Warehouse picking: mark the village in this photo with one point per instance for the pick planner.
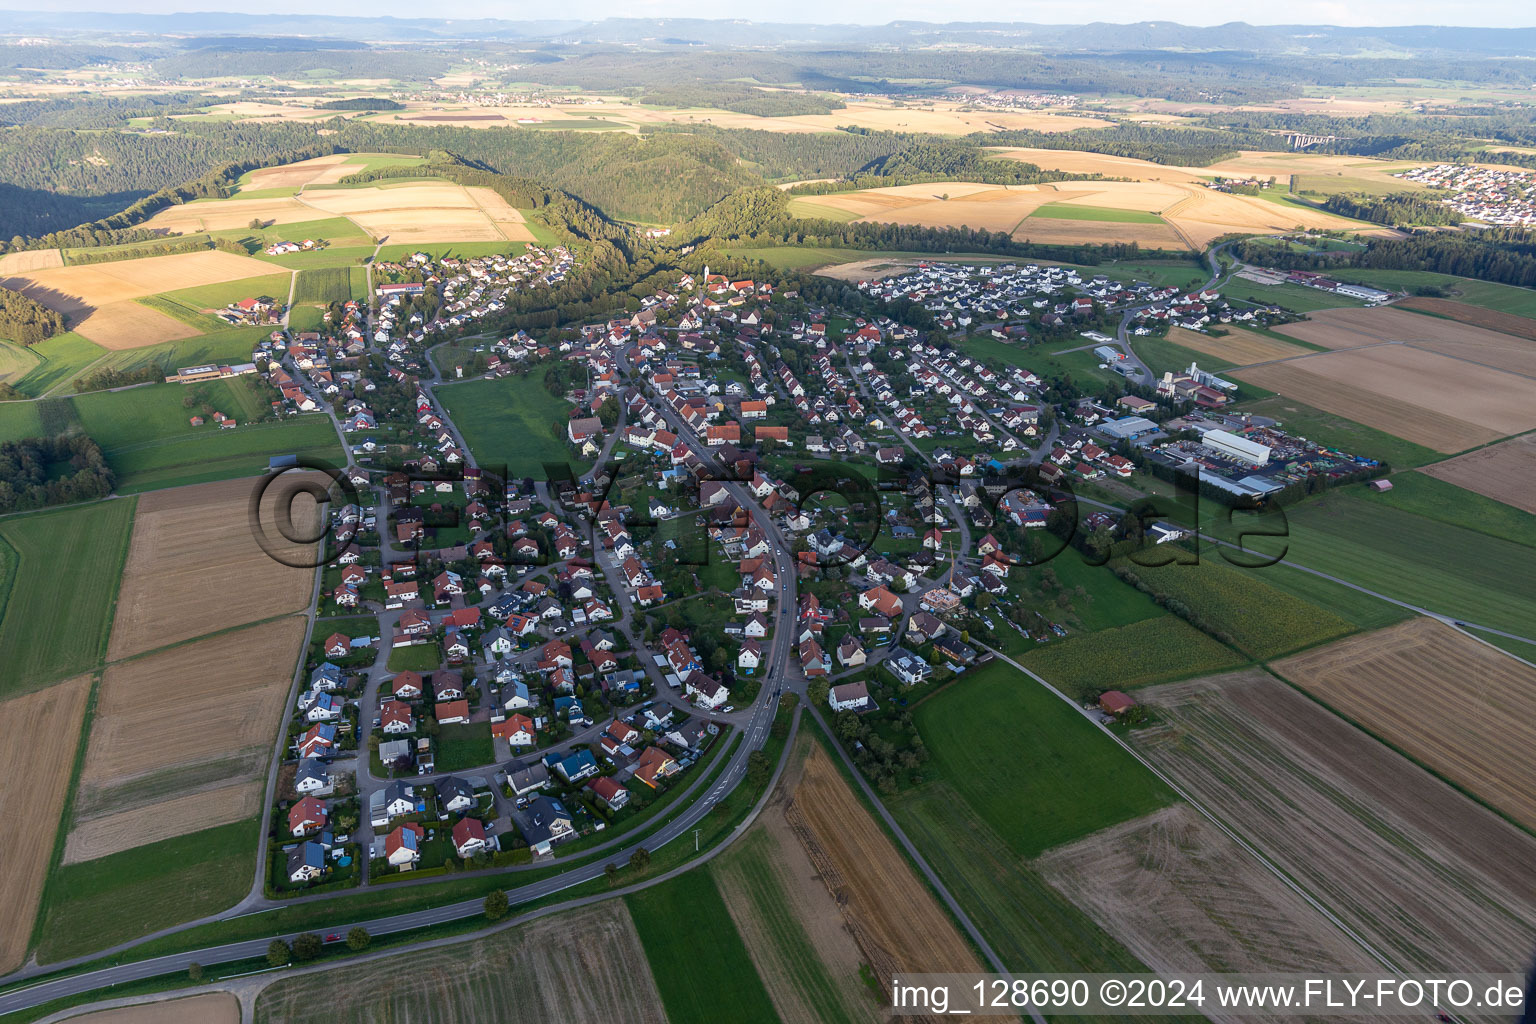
(1499, 196)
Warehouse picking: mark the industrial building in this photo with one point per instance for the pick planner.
(1236, 447)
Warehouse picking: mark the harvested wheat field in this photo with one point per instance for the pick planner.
(322, 170)
(227, 215)
(1443, 403)
(1236, 346)
(208, 1008)
(1076, 232)
(1477, 316)
(1504, 472)
(507, 218)
(1465, 709)
(1352, 328)
(29, 260)
(418, 212)
(96, 837)
(37, 747)
(581, 967)
(195, 565)
(1183, 897)
(793, 929)
(126, 325)
(234, 687)
(1424, 875)
(78, 291)
(896, 922)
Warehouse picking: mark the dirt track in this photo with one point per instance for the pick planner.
(37, 747)
(1423, 873)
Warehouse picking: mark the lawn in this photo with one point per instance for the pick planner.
(678, 921)
(1156, 650)
(63, 357)
(1029, 764)
(233, 345)
(1160, 354)
(61, 570)
(1237, 604)
(463, 250)
(1432, 564)
(1071, 211)
(416, 658)
(114, 899)
(1105, 602)
(19, 420)
(512, 421)
(1330, 429)
(340, 256)
(464, 746)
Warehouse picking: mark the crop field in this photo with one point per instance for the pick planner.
(61, 358)
(321, 170)
(228, 215)
(1435, 693)
(1236, 347)
(28, 260)
(1352, 328)
(1421, 872)
(37, 746)
(1150, 651)
(208, 298)
(49, 631)
(584, 966)
(234, 698)
(1294, 297)
(678, 919)
(1430, 399)
(1477, 316)
(1031, 766)
(1429, 563)
(324, 284)
(792, 927)
(208, 1008)
(1184, 897)
(196, 458)
(417, 212)
(510, 421)
(184, 553)
(95, 297)
(103, 834)
(1504, 472)
(896, 922)
(1260, 621)
(100, 903)
(1070, 211)
(1425, 495)
(508, 219)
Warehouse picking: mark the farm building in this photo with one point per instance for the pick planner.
(1380, 485)
(1115, 703)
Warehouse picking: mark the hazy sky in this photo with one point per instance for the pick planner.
(1497, 13)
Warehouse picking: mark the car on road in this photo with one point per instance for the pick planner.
(728, 709)
(333, 937)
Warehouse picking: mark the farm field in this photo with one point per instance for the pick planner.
(1501, 298)
(204, 300)
(675, 921)
(182, 557)
(585, 966)
(1031, 766)
(50, 631)
(235, 698)
(1340, 432)
(1261, 621)
(61, 358)
(204, 458)
(230, 215)
(100, 903)
(208, 1008)
(1477, 316)
(1154, 650)
(1361, 610)
(422, 212)
(1387, 681)
(1418, 870)
(896, 922)
(28, 260)
(1426, 495)
(1071, 211)
(791, 925)
(1426, 562)
(96, 298)
(107, 833)
(1430, 399)
(510, 421)
(1351, 328)
(1236, 347)
(1184, 897)
(1504, 472)
(1294, 297)
(37, 746)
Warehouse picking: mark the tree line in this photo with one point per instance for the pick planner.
(39, 471)
(1502, 255)
(26, 321)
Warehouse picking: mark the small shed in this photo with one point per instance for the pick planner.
(1380, 485)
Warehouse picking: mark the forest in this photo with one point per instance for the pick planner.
(1504, 255)
(40, 471)
(27, 322)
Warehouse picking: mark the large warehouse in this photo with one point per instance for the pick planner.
(1235, 446)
